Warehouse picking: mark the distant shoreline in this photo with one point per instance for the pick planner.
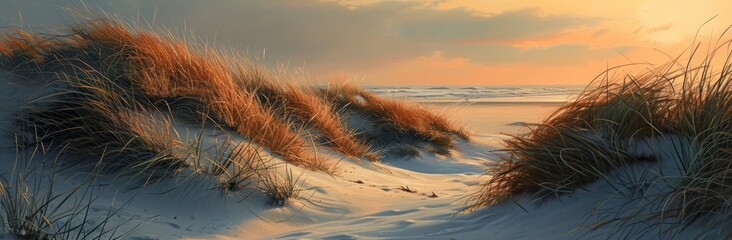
(497, 103)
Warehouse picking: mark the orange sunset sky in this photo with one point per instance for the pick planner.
(447, 42)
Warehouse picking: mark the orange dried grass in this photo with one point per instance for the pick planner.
(166, 68)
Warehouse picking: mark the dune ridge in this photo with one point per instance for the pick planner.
(114, 69)
(112, 100)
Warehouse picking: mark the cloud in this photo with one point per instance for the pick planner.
(329, 36)
(660, 28)
(554, 55)
(600, 32)
(460, 24)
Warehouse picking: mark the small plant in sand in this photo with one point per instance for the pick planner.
(31, 207)
(280, 189)
(238, 168)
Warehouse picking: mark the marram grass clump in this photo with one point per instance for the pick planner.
(393, 123)
(597, 134)
(111, 92)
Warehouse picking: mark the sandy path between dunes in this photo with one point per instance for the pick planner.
(366, 201)
(359, 200)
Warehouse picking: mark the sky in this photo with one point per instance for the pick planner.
(431, 42)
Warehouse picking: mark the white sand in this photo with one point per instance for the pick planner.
(492, 119)
(341, 207)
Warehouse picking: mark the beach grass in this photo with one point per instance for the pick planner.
(395, 122)
(33, 207)
(590, 138)
(116, 98)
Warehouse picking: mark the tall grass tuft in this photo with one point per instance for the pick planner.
(169, 69)
(32, 207)
(402, 119)
(599, 133)
(115, 90)
(303, 106)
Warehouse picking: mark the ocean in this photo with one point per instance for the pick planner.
(487, 110)
(479, 94)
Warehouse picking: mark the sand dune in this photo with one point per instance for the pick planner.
(120, 133)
